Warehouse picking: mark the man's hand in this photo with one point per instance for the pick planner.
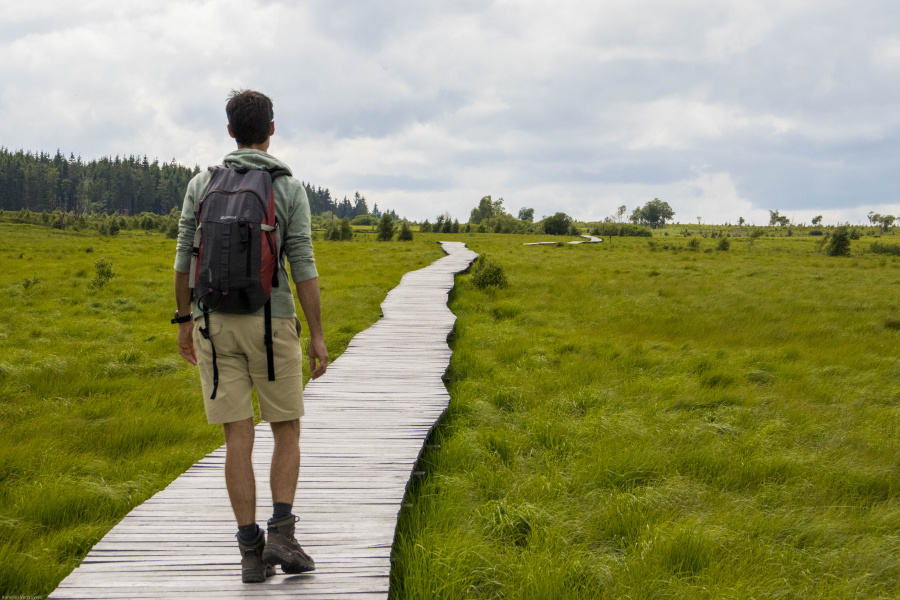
(317, 351)
(186, 342)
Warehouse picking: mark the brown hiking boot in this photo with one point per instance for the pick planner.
(282, 549)
(253, 569)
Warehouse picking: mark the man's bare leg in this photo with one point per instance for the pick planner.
(239, 477)
(281, 546)
(285, 461)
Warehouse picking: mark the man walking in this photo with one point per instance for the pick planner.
(231, 349)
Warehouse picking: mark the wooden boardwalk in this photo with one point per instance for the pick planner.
(365, 423)
(590, 240)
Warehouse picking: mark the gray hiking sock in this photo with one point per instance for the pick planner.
(281, 511)
(247, 534)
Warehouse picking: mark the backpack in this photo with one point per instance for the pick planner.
(237, 250)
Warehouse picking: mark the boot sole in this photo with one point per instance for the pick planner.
(253, 577)
(277, 555)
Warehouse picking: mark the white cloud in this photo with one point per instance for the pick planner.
(723, 109)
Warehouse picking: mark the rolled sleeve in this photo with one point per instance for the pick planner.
(298, 247)
(187, 225)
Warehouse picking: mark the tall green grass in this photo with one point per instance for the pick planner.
(97, 410)
(633, 422)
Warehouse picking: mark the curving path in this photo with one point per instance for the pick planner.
(365, 423)
(590, 240)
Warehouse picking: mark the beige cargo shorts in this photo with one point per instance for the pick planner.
(241, 359)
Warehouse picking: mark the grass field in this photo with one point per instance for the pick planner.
(628, 420)
(639, 420)
(97, 410)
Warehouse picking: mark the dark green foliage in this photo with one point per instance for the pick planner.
(425, 227)
(364, 220)
(526, 214)
(816, 232)
(558, 224)
(172, 229)
(346, 230)
(43, 182)
(839, 245)
(104, 273)
(653, 214)
(879, 248)
(573, 230)
(455, 227)
(694, 244)
(854, 234)
(724, 244)
(386, 228)
(486, 273)
(485, 210)
(333, 233)
(622, 229)
(132, 185)
(111, 227)
(777, 219)
(31, 281)
(406, 234)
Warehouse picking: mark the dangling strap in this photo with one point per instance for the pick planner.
(270, 354)
(205, 332)
(195, 255)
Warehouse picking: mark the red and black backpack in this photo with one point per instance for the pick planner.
(237, 250)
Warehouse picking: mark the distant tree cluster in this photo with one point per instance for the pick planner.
(777, 219)
(883, 221)
(653, 214)
(321, 202)
(128, 186)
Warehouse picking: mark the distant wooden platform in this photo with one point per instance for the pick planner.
(590, 240)
(365, 423)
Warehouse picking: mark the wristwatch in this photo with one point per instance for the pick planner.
(183, 319)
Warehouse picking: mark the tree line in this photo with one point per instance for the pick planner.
(40, 182)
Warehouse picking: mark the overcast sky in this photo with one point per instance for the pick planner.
(722, 109)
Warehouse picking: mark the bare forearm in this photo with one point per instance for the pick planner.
(308, 293)
(185, 330)
(182, 293)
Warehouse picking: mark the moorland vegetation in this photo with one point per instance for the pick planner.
(665, 418)
(708, 412)
(98, 412)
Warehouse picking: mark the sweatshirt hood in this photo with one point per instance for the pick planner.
(247, 158)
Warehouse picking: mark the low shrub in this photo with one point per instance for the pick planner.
(104, 273)
(405, 234)
(879, 248)
(486, 273)
(346, 230)
(839, 245)
(622, 229)
(724, 244)
(386, 228)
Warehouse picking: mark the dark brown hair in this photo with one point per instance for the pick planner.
(249, 114)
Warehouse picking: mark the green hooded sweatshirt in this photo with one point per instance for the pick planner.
(291, 213)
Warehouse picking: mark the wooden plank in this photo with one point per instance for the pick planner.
(365, 423)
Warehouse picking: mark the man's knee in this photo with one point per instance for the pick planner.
(239, 433)
(286, 431)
